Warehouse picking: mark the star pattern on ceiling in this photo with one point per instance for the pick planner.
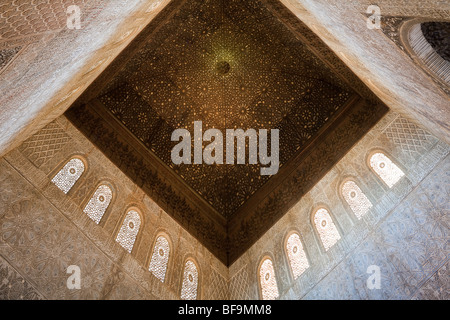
(229, 64)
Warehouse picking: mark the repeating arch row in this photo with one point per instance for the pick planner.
(324, 225)
(132, 222)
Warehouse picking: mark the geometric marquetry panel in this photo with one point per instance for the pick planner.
(229, 65)
(271, 81)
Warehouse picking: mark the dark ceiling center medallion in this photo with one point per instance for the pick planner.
(223, 67)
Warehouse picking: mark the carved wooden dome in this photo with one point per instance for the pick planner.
(230, 64)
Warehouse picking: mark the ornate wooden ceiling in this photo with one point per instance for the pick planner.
(231, 64)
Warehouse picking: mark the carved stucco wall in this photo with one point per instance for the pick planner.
(405, 233)
(414, 211)
(43, 231)
(55, 64)
(376, 60)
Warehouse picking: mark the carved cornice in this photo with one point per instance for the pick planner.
(260, 213)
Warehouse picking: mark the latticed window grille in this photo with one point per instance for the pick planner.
(356, 199)
(269, 288)
(326, 228)
(386, 169)
(66, 178)
(296, 255)
(97, 205)
(129, 230)
(160, 258)
(190, 281)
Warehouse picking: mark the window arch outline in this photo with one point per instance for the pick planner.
(186, 258)
(86, 201)
(122, 220)
(404, 33)
(316, 232)
(347, 205)
(308, 260)
(61, 166)
(394, 160)
(169, 266)
(262, 259)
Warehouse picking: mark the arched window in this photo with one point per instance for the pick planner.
(429, 41)
(328, 232)
(190, 281)
(129, 230)
(69, 174)
(386, 169)
(97, 205)
(296, 255)
(267, 280)
(160, 258)
(356, 199)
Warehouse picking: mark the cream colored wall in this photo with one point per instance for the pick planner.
(405, 233)
(385, 69)
(54, 67)
(43, 231)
